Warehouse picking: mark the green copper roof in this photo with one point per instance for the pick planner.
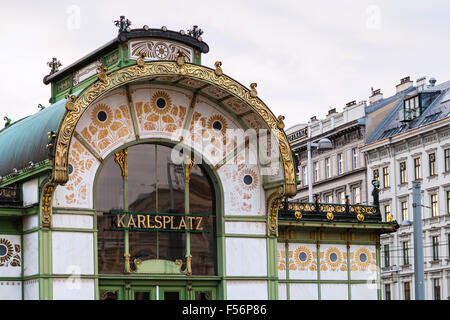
(25, 140)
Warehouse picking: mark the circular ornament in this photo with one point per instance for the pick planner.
(6, 250)
(161, 102)
(362, 257)
(333, 257)
(161, 50)
(102, 115)
(302, 256)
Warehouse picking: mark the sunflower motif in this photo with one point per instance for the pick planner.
(217, 125)
(333, 257)
(160, 102)
(362, 258)
(102, 115)
(302, 256)
(249, 179)
(6, 250)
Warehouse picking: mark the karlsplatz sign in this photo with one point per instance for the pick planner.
(144, 221)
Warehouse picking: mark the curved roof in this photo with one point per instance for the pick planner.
(25, 140)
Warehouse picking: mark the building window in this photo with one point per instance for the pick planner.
(432, 164)
(437, 289)
(354, 158)
(387, 211)
(329, 198)
(327, 167)
(404, 206)
(434, 205)
(403, 172)
(386, 256)
(387, 291)
(407, 291)
(417, 173)
(340, 163)
(448, 202)
(386, 177)
(305, 175)
(435, 241)
(356, 195)
(405, 246)
(447, 159)
(341, 197)
(376, 174)
(315, 172)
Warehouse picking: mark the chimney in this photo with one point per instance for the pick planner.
(351, 103)
(420, 83)
(331, 111)
(313, 118)
(376, 96)
(404, 84)
(432, 82)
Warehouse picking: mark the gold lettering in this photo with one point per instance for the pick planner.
(199, 219)
(129, 221)
(191, 226)
(158, 221)
(171, 222)
(119, 222)
(165, 221)
(141, 220)
(182, 223)
(148, 222)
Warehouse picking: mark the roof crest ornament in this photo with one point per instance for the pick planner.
(195, 32)
(123, 24)
(54, 64)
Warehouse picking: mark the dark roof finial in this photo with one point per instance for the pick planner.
(195, 32)
(54, 64)
(123, 24)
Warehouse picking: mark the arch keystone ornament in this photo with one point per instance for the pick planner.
(152, 69)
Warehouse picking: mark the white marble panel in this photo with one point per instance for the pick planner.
(157, 122)
(73, 221)
(73, 252)
(10, 290)
(334, 291)
(364, 291)
(238, 227)
(363, 262)
(303, 291)
(30, 192)
(242, 186)
(78, 191)
(10, 256)
(73, 289)
(31, 289)
(30, 254)
(29, 222)
(107, 123)
(333, 262)
(246, 257)
(302, 261)
(246, 290)
(281, 260)
(282, 294)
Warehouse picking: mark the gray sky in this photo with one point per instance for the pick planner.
(305, 56)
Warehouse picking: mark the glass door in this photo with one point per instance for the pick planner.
(143, 293)
(172, 293)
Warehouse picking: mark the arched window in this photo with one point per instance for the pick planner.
(155, 186)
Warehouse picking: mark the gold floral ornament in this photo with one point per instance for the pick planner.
(360, 217)
(180, 58)
(217, 124)
(302, 257)
(102, 115)
(362, 258)
(280, 123)
(121, 158)
(6, 250)
(333, 257)
(160, 102)
(248, 179)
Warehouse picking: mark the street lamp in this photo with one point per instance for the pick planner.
(323, 144)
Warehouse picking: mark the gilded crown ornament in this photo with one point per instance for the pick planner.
(253, 92)
(140, 61)
(180, 58)
(218, 71)
(70, 106)
(102, 74)
(280, 123)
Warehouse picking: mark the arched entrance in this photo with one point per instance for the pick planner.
(156, 229)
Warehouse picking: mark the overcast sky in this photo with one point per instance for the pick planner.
(305, 56)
